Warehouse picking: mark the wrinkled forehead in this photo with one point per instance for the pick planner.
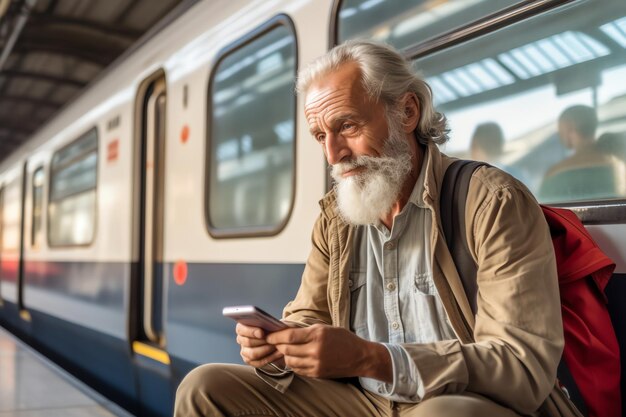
(347, 77)
(341, 88)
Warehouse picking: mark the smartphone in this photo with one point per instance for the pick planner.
(254, 316)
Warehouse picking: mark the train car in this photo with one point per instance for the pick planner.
(185, 180)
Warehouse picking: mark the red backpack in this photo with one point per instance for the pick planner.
(589, 368)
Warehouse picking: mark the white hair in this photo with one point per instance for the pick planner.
(386, 76)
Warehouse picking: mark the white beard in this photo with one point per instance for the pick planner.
(366, 197)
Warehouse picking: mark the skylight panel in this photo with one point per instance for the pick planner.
(538, 57)
(471, 79)
(552, 53)
(616, 30)
(495, 69)
(468, 81)
(486, 80)
(514, 65)
(458, 85)
(528, 64)
(573, 47)
(441, 92)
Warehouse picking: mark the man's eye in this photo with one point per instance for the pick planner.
(347, 126)
(320, 137)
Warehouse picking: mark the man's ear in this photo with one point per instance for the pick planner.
(411, 111)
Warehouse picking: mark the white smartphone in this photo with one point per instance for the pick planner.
(254, 316)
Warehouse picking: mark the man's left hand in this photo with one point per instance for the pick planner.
(322, 351)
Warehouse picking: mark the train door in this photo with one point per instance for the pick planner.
(1, 234)
(22, 239)
(147, 332)
(11, 247)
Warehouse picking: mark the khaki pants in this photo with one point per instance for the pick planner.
(235, 390)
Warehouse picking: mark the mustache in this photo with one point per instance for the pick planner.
(364, 161)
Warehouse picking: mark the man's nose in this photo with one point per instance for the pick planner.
(336, 148)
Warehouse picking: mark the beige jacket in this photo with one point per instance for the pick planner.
(510, 350)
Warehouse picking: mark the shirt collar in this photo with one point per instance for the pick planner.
(417, 195)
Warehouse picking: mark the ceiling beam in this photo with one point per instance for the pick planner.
(93, 47)
(30, 100)
(51, 6)
(8, 137)
(44, 19)
(122, 14)
(11, 131)
(67, 50)
(43, 77)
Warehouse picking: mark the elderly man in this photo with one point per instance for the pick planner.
(380, 299)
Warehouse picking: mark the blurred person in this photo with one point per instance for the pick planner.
(487, 144)
(577, 129)
(588, 172)
(613, 143)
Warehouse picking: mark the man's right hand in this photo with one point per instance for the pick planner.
(255, 351)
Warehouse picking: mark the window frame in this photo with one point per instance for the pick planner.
(36, 244)
(95, 189)
(590, 211)
(489, 23)
(2, 191)
(245, 40)
(2, 188)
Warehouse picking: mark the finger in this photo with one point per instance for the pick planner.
(249, 331)
(248, 342)
(289, 336)
(300, 351)
(302, 366)
(257, 353)
(276, 356)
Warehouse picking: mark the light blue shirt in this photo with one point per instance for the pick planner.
(393, 296)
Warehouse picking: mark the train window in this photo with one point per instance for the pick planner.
(545, 99)
(408, 22)
(37, 192)
(11, 215)
(72, 201)
(250, 163)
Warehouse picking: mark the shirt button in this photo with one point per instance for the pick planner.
(391, 286)
(403, 379)
(395, 325)
(390, 245)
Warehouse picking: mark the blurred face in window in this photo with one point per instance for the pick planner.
(370, 154)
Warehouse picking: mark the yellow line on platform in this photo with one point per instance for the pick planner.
(25, 315)
(151, 352)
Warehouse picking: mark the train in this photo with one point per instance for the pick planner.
(185, 179)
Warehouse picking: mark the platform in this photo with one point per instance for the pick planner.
(32, 386)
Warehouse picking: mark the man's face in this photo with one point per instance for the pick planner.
(343, 119)
(370, 155)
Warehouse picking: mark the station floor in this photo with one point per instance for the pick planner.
(32, 386)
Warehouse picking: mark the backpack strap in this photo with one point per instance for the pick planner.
(453, 196)
(454, 190)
